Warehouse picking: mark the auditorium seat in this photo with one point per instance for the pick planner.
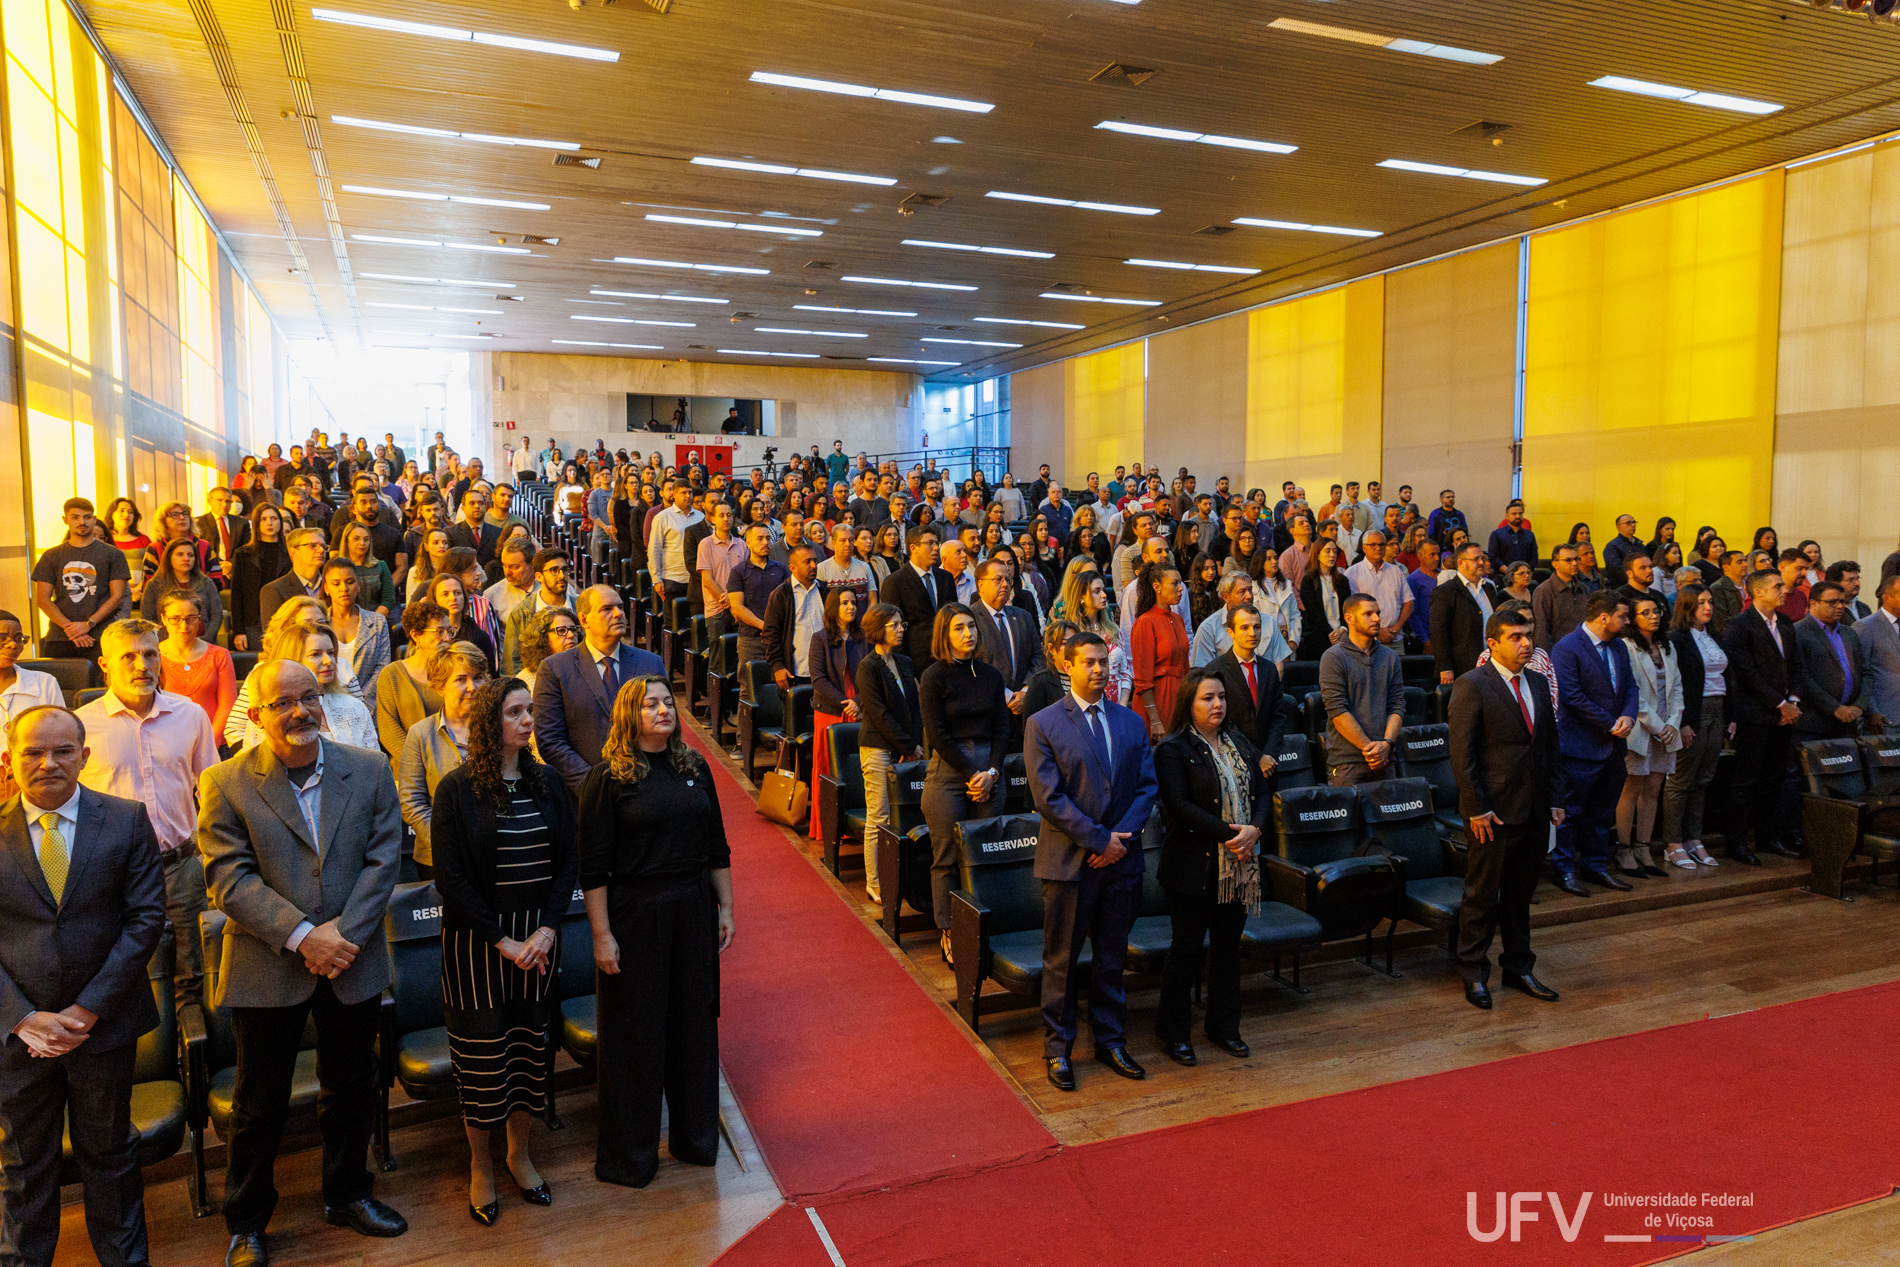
(996, 913)
(722, 687)
(242, 662)
(1880, 836)
(1152, 933)
(698, 655)
(1016, 798)
(1418, 670)
(73, 676)
(1300, 676)
(841, 793)
(761, 715)
(639, 601)
(158, 1092)
(903, 860)
(412, 1027)
(1836, 802)
(1399, 820)
(88, 695)
(1418, 706)
(1317, 866)
(580, 1028)
(1293, 764)
(1424, 752)
(1280, 931)
(799, 723)
(674, 634)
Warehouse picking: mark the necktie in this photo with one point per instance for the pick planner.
(1517, 688)
(610, 674)
(1009, 641)
(53, 857)
(1609, 664)
(1253, 686)
(1096, 736)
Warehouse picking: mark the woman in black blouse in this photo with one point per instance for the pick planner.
(835, 652)
(1323, 595)
(656, 875)
(503, 829)
(965, 705)
(256, 564)
(889, 727)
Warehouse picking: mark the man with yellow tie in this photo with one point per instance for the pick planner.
(82, 900)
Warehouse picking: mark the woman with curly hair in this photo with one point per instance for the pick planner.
(656, 875)
(505, 865)
(549, 630)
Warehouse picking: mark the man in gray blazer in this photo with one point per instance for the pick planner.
(1006, 638)
(301, 841)
(1834, 668)
(82, 902)
(574, 691)
(1880, 641)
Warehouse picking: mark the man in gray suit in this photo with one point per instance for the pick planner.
(1006, 637)
(82, 900)
(301, 841)
(1880, 640)
(1834, 668)
(575, 690)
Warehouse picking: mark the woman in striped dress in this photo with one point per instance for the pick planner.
(505, 866)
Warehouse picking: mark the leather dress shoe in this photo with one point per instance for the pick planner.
(1531, 986)
(1571, 885)
(1118, 1059)
(368, 1216)
(1779, 849)
(485, 1214)
(1181, 1053)
(1745, 856)
(1605, 879)
(538, 1195)
(1478, 994)
(1061, 1073)
(247, 1250)
(1233, 1047)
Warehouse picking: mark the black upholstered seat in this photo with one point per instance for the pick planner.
(1293, 764)
(1399, 819)
(1424, 752)
(575, 976)
(158, 1091)
(840, 793)
(1318, 865)
(413, 926)
(998, 902)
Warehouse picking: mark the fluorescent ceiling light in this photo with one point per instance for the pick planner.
(1018, 321)
(892, 281)
(823, 334)
(704, 268)
(974, 343)
(1444, 52)
(456, 198)
(1437, 169)
(1297, 227)
(863, 312)
(778, 169)
(441, 335)
(595, 343)
(912, 360)
(807, 356)
(630, 321)
(1098, 299)
(448, 135)
(986, 250)
(436, 281)
(678, 299)
(883, 94)
(1741, 105)
(1070, 202)
(605, 303)
(456, 33)
(484, 312)
(733, 224)
(1192, 268)
(1205, 138)
(452, 246)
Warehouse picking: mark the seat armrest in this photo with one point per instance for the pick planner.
(195, 1041)
(969, 947)
(1289, 883)
(1457, 856)
(1378, 848)
(828, 790)
(386, 1039)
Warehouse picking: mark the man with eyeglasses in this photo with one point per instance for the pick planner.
(551, 589)
(302, 842)
(305, 578)
(79, 585)
(1836, 689)
(574, 692)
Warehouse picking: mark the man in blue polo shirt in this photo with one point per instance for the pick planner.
(749, 587)
(1418, 629)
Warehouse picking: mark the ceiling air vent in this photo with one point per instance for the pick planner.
(925, 200)
(575, 160)
(528, 239)
(1123, 75)
(1069, 288)
(1482, 130)
(949, 327)
(819, 264)
(1216, 230)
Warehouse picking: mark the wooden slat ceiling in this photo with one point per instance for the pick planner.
(681, 89)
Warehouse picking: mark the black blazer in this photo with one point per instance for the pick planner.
(92, 946)
(831, 667)
(1264, 725)
(1315, 632)
(904, 590)
(888, 717)
(1501, 767)
(1190, 799)
(781, 626)
(1044, 688)
(275, 595)
(254, 567)
(1823, 689)
(1458, 626)
(990, 648)
(1760, 676)
(240, 527)
(462, 829)
(1689, 663)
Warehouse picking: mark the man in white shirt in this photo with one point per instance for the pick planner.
(806, 594)
(666, 541)
(517, 578)
(846, 569)
(1108, 518)
(1385, 582)
(523, 462)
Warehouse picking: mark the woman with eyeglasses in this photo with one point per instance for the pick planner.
(437, 744)
(176, 524)
(547, 632)
(178, 570)
(199, 670)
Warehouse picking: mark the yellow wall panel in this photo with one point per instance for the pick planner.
(1315, 389)
(1650, 363)
(1197, 400)
(1106, 409)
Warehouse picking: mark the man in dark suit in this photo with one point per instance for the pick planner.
(305, 578)
(1838, 688)
(1253, 686)
(1005, 637)
(1598, 690)
(918, 591)
(1092, 775)
(302, 841)
(1460, 608)
(1504, 755)
(473, 528)
(574, 691)
(82, 900)
(794, 612)
(1765, 686)
(224, 530)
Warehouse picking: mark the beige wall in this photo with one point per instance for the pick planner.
(1039, 420)
(1197, 399)
(1450, 379)
(1837, 408)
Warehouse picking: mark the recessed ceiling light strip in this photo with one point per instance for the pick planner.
(445, 134)
(1071, 202)
(1205, 138)
(456, 33)
(882, 94)
(779, 169)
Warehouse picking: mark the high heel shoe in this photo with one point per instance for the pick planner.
(1626, 863)
(540, 1194)
(943, 948)
(1646, 862)
(485, 1214)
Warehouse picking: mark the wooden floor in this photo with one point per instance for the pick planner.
(1860, 1236)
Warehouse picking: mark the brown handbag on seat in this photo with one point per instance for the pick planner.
(782, 797)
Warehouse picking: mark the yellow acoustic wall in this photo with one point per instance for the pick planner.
(1837, 424)
(1106, 404)
(1197, 400)
(1315, 389)
(1650, 364)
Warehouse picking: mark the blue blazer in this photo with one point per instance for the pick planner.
(1080, 801)
(1591, 704)
(572, 712)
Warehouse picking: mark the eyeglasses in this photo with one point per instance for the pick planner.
(12, 640)
(310, 703)
(564, 631)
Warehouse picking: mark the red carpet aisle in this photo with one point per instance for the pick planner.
(848, 1074)
(1781, 1104)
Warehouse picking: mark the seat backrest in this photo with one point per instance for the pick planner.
(758, 689)
(88, 695)
(575, 966)
(798, 711)
(1880, 759)
(1418, 670)
(907, 803)
(73, 676)
(679, 614)
(1015, 785)
(242, 662)
(1832, 768)
(1424, 752)
(1293, 764)
(996, 864)
(157, 1058)
(1154, 898)
(413, 923)
(699, 635)
(1398, 815)
(1300, 675)
(1417, 704)
(642, 584)
(1293, 711)
(1316, 723)
(841, 743)
(1312, 825)
(728, 649)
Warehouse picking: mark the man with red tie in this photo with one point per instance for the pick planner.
(223, 529)
(1504, 754)
(1253, 686)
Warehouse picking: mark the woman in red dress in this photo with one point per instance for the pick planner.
(1158, 645)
